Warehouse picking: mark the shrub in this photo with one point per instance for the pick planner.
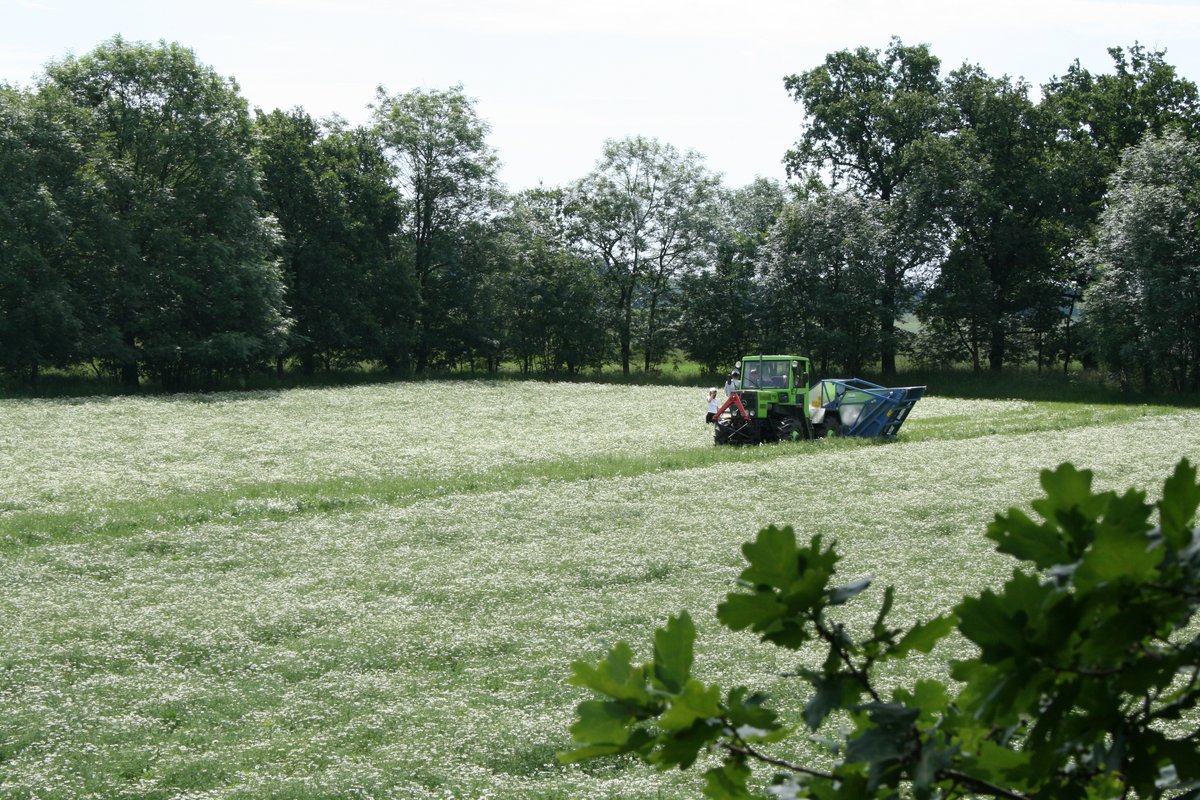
(1083, 681)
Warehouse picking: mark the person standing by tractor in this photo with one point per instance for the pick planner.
(713, 405)
(732, 382)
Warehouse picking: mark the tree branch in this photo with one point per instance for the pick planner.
(859, 674)
(746, 750)
(980, 785)
(971, 782)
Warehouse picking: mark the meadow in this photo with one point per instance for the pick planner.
(378, 591)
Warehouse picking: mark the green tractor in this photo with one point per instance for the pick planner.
(770, 403)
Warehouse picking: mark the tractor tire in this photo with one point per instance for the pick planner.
(721, 432)
(748, 433)
(735, 430)
(833, 426)
(792, 429)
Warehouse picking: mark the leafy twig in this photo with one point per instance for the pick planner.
(746, 750)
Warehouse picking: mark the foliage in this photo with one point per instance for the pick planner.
(821, 267)
(868, 115)
(644, 216)
(1099, 116)
(447, 181)
(180, 269)
(551, 297)
(39, 310)
(149, 228)
(723, 311)
(330, 189)
(1084, 682)
(1001, 274)
(1144, 306)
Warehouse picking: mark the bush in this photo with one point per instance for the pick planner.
(1083, 683)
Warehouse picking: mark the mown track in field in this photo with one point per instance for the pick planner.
(276, 500)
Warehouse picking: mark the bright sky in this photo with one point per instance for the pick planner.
(555, 78)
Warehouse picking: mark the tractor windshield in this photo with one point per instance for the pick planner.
(765, 375)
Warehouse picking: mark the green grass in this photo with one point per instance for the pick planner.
(276, 595)
(279, 500)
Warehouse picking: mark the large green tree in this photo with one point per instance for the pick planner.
(550, 295)
(1001, 272)
(446, 174)
(723, 310)
(646, 215)
(867, 113)
(1100, 115)
(39, 308)
(182, 275)
(822, 268)
(1143, 308)
(330, 187)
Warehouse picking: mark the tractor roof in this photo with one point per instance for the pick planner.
(774, 358)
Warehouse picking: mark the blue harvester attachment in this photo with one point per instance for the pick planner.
(854, 407)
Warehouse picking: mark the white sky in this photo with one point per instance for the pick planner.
(555, 78)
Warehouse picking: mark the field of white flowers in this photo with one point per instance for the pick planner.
(55, 454)
(416, 645)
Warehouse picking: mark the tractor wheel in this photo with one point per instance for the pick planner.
(791, 429)
(721, 432)
(833, 426)
(748, 433)
(737, 430)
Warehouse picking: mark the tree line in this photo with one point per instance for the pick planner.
(151, 226)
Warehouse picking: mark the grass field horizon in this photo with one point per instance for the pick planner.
(377, 591)
(1021, 381)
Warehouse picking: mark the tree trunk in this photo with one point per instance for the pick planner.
(129, 375)
(976, 367)
(626, 330)
(887, 340)
(625, 350)
(996, 346)
(649, 356)
(887, 324)
(1067, 342)
(421, 350)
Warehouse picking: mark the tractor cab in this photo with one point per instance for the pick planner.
(767, 374)
(773, 380)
